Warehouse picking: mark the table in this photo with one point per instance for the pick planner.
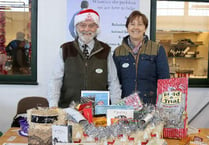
(12, 136)
(13, 133)
(204, 133)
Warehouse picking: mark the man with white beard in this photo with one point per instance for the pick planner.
(83, 64)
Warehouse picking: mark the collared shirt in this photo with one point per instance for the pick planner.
(90, 45)
(55, 83)
(135, 49)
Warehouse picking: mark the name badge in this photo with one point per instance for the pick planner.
(99, 70)
(125, 65)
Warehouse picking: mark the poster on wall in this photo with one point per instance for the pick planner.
(113, 15)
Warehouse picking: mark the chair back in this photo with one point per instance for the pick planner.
(31, 102)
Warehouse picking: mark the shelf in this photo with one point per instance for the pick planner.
(190, 45)
(185, 57)
(186, 52)
(176, 32)
(185, 71)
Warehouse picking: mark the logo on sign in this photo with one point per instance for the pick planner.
(172, 98)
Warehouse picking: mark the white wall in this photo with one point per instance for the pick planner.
(51, 33)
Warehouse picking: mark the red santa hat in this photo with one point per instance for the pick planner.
(87, 14)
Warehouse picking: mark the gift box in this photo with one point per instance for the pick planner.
(61, 134)
(40, 122)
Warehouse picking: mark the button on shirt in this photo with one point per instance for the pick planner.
(55, 83)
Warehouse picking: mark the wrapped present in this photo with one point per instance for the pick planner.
(102, 109)
(77, 132)
(157, 141)
(61, 134)
(126, 130)
(100, 121)
(40, 122)
(132, 100)
(87, 111)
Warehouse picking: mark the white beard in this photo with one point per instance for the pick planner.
(86, 39)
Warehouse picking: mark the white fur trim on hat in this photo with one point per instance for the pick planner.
(87, 14)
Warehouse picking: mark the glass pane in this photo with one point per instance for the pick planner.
(15, 37)
(186, 41)
(165, 8)
(198, 9)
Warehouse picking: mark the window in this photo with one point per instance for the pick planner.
(182, 27)
(18, 32)
(198, 9)
(14, 6)
(170, 8)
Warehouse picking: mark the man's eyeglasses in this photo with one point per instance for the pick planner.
(83, 25)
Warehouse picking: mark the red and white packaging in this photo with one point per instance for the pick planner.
(132, 100)
(172, 105)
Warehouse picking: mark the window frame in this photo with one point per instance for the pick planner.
(193, 82)
(32, 78)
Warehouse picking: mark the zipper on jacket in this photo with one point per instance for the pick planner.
(136, 67)
(86, 78)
